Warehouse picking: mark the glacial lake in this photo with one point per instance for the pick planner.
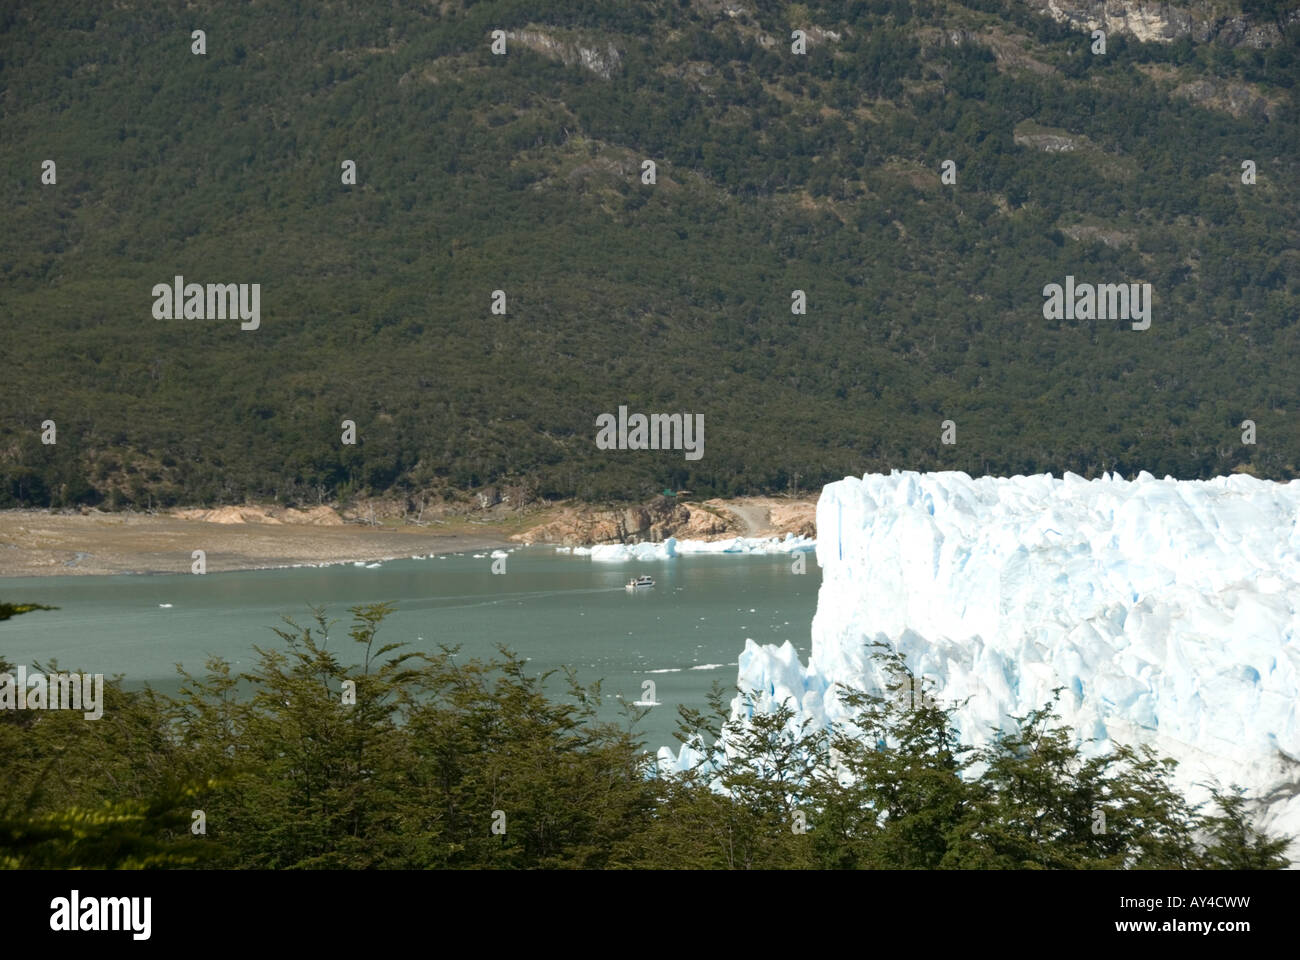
(556, 609)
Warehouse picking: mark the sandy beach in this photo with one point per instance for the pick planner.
(37, 543)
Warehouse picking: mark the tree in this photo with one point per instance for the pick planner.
(1233, 841)
(9, 610)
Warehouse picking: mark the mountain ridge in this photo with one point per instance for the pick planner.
(522, 173)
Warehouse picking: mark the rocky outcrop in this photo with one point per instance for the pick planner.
(657, 520)
(769, 516)
(731, 9)
(1111, 237)
(664, 517)
(602, 61)
(1235, 98)
(1201, 20)
(1048, 142)
(1008, 51)
(797, 517)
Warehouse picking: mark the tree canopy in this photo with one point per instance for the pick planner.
(521, 172)
(419, 761)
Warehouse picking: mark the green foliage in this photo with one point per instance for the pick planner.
(314, 779)
(448, 764)
(95, 794)
(776, 172)
(748, 814)
(905, 795)
(411, 774)
(1040, 805)
(1235, 843)
(10, 610)
(125, 835)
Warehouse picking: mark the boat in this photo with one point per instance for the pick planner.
(640, 582)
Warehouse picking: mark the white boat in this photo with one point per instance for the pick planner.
(640, 582)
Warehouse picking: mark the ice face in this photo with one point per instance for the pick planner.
(1168, 610)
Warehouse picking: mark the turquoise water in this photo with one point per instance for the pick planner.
(556, 609)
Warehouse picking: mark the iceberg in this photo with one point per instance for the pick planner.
(791, 543)
(626, 552)
(1169, 611)
(672, 548)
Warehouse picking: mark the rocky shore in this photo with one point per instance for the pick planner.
(92, 542)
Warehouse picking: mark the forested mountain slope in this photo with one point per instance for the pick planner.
(522, 172)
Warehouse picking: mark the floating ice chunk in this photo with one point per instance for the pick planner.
(628, 552)
(667, 549)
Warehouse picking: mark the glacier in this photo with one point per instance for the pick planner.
(1166, 609)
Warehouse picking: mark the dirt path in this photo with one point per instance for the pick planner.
(770, 516)
(757, 519)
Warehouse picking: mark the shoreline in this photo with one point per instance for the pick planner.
(37, 544)
(44, 543)
(48, 543)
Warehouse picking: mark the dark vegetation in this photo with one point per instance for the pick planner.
(436, 751)
(776, 172)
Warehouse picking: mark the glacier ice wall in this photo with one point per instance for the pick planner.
(1168, 610)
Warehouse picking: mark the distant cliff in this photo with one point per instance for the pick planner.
(1202, 21)
(663, 517)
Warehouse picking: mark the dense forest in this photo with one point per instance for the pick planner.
(436, 762)
(522, 172)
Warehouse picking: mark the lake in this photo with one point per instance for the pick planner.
(556, 609)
